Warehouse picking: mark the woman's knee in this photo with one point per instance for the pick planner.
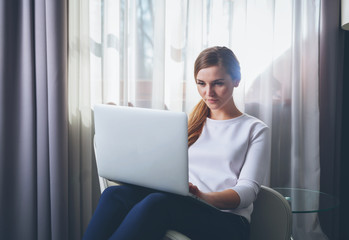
(157, 200)
(124, 194)
(110, 192)
(116, 193)
(158, 197)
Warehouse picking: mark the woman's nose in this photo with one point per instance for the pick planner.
(210, 91)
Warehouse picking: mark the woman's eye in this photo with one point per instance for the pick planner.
(201, 83)
(219, 83)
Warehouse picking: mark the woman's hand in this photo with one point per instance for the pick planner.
(193, 189)
(227, 199)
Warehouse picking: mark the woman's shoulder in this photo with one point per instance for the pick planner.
(244, 121)
(253, 122)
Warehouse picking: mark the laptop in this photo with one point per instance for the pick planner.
(144, 147)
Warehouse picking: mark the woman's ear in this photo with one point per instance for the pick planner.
(236, 83)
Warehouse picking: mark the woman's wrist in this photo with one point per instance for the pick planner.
(227, 199)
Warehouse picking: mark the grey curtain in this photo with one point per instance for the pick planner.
(330, 103)
(33, 120)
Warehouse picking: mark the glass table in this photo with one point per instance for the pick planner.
(308, 201)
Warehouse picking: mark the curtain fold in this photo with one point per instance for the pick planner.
(331, 91)
(34, 120)
(83, 180)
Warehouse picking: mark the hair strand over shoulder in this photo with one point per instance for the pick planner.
(196, 121)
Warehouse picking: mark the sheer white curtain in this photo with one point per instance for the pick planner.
(142, 52)
(83, 180)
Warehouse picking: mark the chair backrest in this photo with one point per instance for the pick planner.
(272, 216)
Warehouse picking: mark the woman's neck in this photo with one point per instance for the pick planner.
(224, 114)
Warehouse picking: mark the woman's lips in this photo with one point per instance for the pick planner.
(212, 100)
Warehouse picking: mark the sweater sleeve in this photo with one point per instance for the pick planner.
(255, 167)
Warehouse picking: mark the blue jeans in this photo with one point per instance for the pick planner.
(131, 212)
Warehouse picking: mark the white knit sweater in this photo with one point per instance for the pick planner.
(231, 154)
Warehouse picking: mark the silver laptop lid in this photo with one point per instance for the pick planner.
(144, 147)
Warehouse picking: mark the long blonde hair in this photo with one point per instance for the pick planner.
(214, 56)
(196, 121)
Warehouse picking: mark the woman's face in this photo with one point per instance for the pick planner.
(215, 86)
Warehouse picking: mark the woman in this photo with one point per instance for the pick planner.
(228, 160)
